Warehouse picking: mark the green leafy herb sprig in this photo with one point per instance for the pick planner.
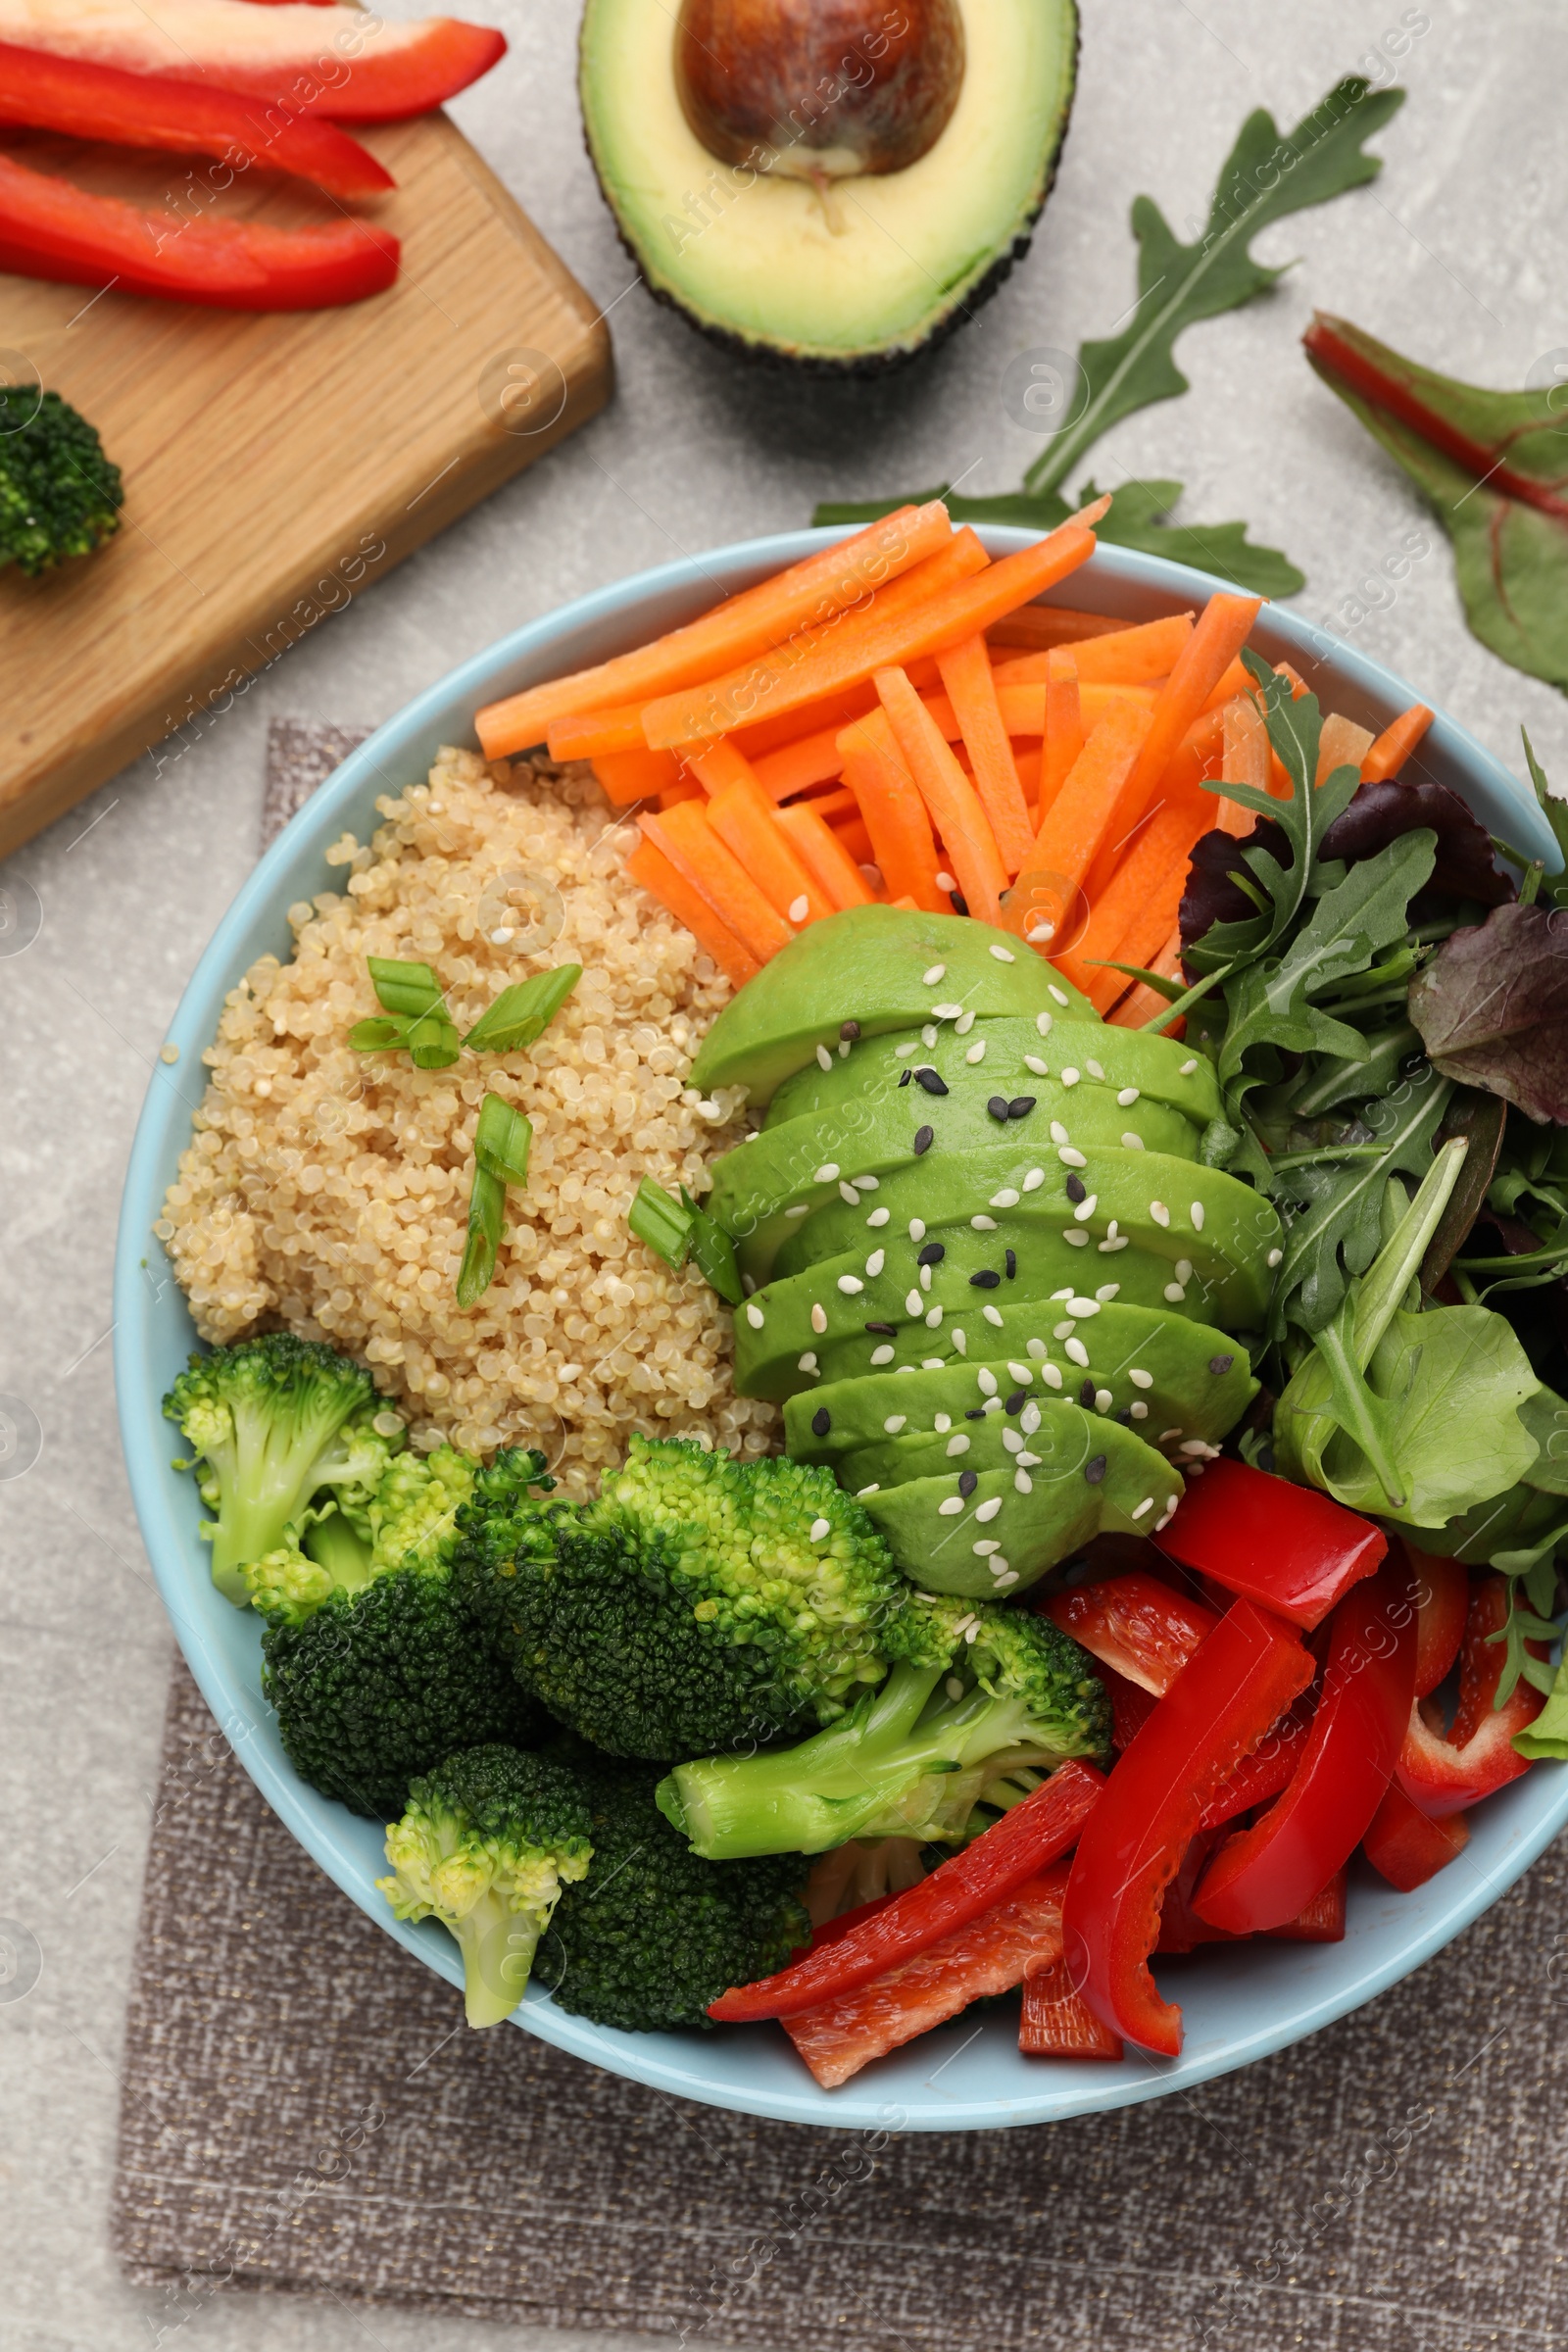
(1266, 176)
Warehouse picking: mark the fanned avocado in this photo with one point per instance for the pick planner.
(762, 197)
(1011, 1525)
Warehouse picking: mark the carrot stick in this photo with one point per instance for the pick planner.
(835, 710)
(826, 856)
(743, 626)
(694, 849)
(1124, 657)
(856, 841)
(1197, 754)
(854, 651)
(653, 869)
(1244, 762)
(901, 843)
(1074, 825)
(1144, 1003)
(1394, 744)
(1221, 633)
(1064, 729)
(967, 675)
(831, 806)
(1028, 765)
(796, 766)
(718, 765)
(594, 734)
(1037, 627)
(684, 788)
(747, 822)
(953, 804)
(1233, 680)
(1341, 744)
(636, 775)
(1132, 918)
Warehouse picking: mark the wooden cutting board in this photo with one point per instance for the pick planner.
(275, 464)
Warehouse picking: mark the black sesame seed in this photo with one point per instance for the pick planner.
(923, 1140)
(1220, 1363)
(904, 1077)
(958, 902)
(1125, 1416)
(1020, 1107)
(933, 1084)
(850, 1031)
(889, 1331)
(998, 1107)
(1095, 1471)
(1086, 1395)
(984, 1280)
(1017, 1401)
(932, 1254)
(822, 1422)
(1077, 1190)
(1012, 1258)
(975, 1412)
(968, 1480)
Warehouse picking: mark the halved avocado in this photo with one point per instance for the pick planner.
(749, 256)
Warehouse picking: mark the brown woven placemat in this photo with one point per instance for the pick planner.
(305, 2111)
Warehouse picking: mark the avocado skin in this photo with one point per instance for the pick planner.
(880, 360)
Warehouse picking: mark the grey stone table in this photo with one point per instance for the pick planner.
(1454, 256)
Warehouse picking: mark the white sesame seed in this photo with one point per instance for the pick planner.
(1022, 1481)
(963, 1024)
(1032, 1061)
(1004, 954)
(882, 1355)
(1034, 1180)
(828, 1172)
(1006, 1198)
(1043, 1020)
(818, 1318)
(987, 1380)
(824, 1057)
(1061, 997)
(819, 1529)
(1274, 1257)
(1085, 1208)
(1127, 1096)
(1004, 1578)
(918, 1229)
(863, 1492)
(946, 882)
(986, 1545)
(1103, 1401)
(866, 1184)
(1012, 1442)
(879, 1216)
(928, 1363)
(1070, 1156)
(993, 1314)
(1201, 1450)
(942, 1423)
(1198, 1216)
(959, 1444)
(1063, 1331)
(1029, 1418)
(1140, 1378)
(1109, 1248)
(1174, 1293)
(1166, 1435)
(1159, 1212)
(754, 1316)
(960, 1342)
(848, 1193)
(1168, 1515)
(1106, 1291)
(800, 908)
(925, 1277)
(1083, 1306)
(1131, 1142)
(1187, 1069)
(1024, 1372)
(1139, 1409)
(807, 1362)
(874, 1263)
(913, 1304)
(977, 1052)
(1050, 1374)
(928, 1035)
(1035, 1348)
(798, 1208)
(1184, 1269)
(903, 1053)
(1139, 1508)
(894, 1423)
(1058, 1133)
(983, 1224)
(1094, 1070)
(937, 972)
(844, 1047)
(951, 1508)
(989, 1508)
(1069, 1077)
(1078, 1353)
(748, 1284)
(1078, 1237)
(945, 1012)
(933, 1321)
(971, 1631)
(850, 1285)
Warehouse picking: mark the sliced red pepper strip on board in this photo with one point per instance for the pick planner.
(1241, 1680)
(1289, 1547)
(1056, 2022)
(1135, 1624)
(988, 1955)
(90, 101)
(49, 228)
(1446, 1773)
(1406, 1848)
(1263, 1876)
(345, 63)
(1443, 1602)
(987, 1871)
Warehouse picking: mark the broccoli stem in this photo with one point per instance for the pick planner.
(332, 1543)
(497, 1946)
(897, 1766)
(267, 1483)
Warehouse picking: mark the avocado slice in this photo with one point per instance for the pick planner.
(869, 968)
(942, 1538)
(756, 259)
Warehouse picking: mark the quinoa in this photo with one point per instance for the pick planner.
(326, 1191)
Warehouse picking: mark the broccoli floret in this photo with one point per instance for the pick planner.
(485, 1845)
(59, 494)
(377, 1677)
(273, 1422)
(699, 1602)
(914, 1758)
(653, 1933)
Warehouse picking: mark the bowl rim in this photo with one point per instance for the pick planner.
(1516, 1828)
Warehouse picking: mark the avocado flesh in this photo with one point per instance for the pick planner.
(870, 965)
(1121, 1489)
(750, 258)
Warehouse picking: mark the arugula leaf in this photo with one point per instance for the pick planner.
(1333, 1232)
(1266, 177)
(1491, 465)
(1493, 1009)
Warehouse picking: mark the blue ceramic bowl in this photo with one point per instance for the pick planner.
(968, 2076)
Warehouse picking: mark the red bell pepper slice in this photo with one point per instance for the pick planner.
(834, 1931)
(1014, 1849)
(49, 228)
(1292, 1550)
(1179, 1928)
(1446, 1773)
(1135, 1624)
(1056, 2022)
(348, 63)
(1266, 1771)
(1406, 1848)
(149, 109)
(1262, 1877)
(1320, 1920)
(1130, 1708)
(1219, 1706)
(1443, 1602)
(988, 1955)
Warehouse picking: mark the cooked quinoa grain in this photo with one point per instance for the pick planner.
(327, 1191)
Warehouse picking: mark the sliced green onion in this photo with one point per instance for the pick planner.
(378, 1035)
(417, 1022)
(402, 987)
(502, 1140)
(713, 1254)
(660, 1220)
(521, 1014)
(500, 1158)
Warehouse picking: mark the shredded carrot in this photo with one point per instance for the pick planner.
(650, 866)
(1221, 631)
(826, 858)
(896, 819)
(1245, 760)
(636, 775)
(1144, 1003)
(1073, 829)
(747, 822)
(1341, 744)
(689, 841)
(853, 652)
(953, 804)
(1064, 729)
(1132, 918)
(796, 766)
(1127, 656)
(967, 675)
(804, 595)
(1394, 744)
